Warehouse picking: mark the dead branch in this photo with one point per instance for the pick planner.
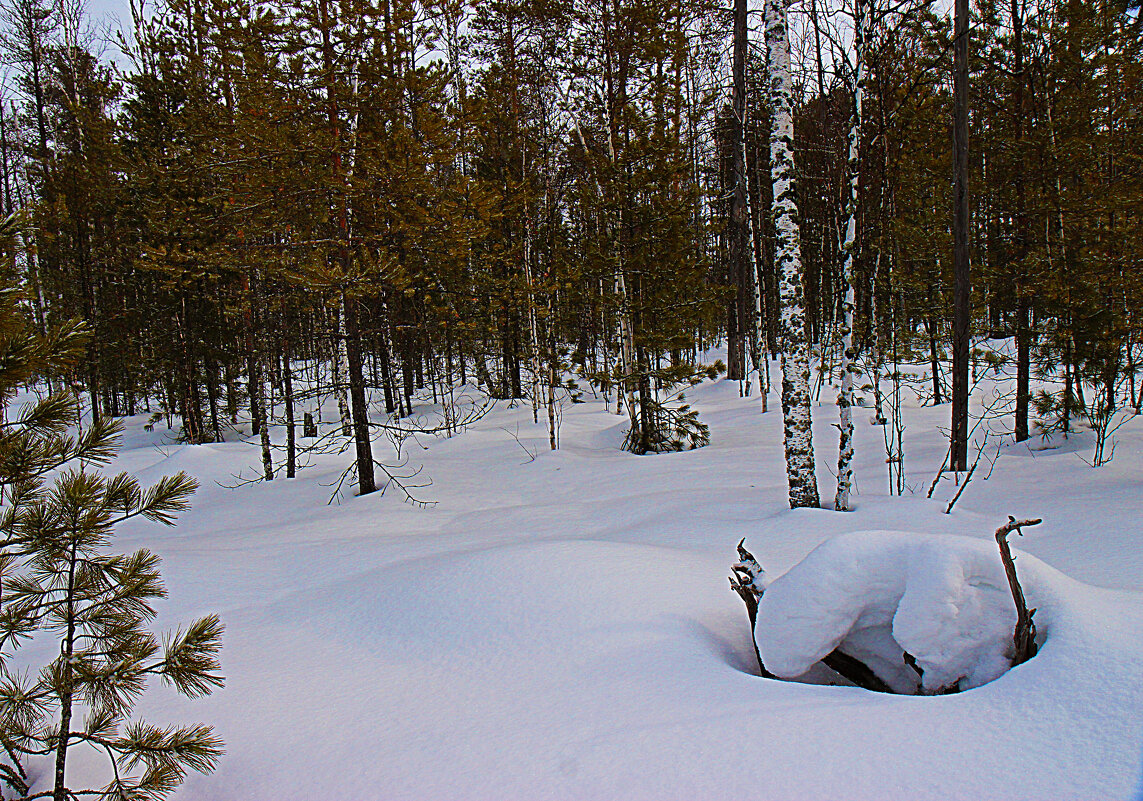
(949, 689)
(1024, 636)
(745, 582)
(940, 472)
(967, 476)
(856, 671)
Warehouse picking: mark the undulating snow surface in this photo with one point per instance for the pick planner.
(559, 625)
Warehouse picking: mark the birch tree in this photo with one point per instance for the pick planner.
(849, 354)
(796, 413)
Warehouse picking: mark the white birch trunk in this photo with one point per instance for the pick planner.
(757, 346)
(533, 329)
(848, 354)
(264, 435)
(340, 369)
(796, 412)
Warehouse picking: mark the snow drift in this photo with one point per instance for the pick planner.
(879, 595)
(560, 628)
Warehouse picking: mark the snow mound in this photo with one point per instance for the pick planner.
(878, 595)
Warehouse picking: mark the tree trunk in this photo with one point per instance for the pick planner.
(795, 349)
(962, 287)
(553, 376)
(1023, 303)
(359, 411)
(288, 396)
(254, 380)
(849, 354)
(934, 358)
(738, 228)
(361, 435)
(59, 790)
(339, 369)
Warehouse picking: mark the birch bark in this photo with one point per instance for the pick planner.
(848, 354)
(795, 347)
(340, 361)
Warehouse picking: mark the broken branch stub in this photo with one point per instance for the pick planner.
(1024, 636)
(746, 581)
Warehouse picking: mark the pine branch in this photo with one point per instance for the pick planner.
(190, 661)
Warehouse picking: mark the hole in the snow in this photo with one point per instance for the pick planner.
(839, 669)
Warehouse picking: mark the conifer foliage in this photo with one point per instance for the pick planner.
(63, 582)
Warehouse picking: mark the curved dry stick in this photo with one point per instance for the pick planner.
(1024, 636)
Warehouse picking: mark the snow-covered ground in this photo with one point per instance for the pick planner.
(561, 627)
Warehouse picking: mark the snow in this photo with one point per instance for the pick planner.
(880, 594)
(560, 627)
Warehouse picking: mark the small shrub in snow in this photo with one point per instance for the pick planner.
(670, 429)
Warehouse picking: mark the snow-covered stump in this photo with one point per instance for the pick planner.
(912, 614)
(746, 580)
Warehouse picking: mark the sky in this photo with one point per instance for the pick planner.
(112, 10)
(112, 15)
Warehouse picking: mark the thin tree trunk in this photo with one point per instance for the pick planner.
(553, 377)
(759, 350)
(359, 411)
(1023, 304)
(264, 434)
(291, 441)
(738, 232)
(253, 378)
(934, 358)
(339, 364)
(361, 435)
(533, 329)
(962, 287)
(849, 354)
(59, 790)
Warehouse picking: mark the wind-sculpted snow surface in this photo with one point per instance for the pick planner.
(558, 627)
(879, 595)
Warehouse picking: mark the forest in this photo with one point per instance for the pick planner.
(256, 205)
(463, 321)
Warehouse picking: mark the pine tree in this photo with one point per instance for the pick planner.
(98, 605)
(60, 580)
